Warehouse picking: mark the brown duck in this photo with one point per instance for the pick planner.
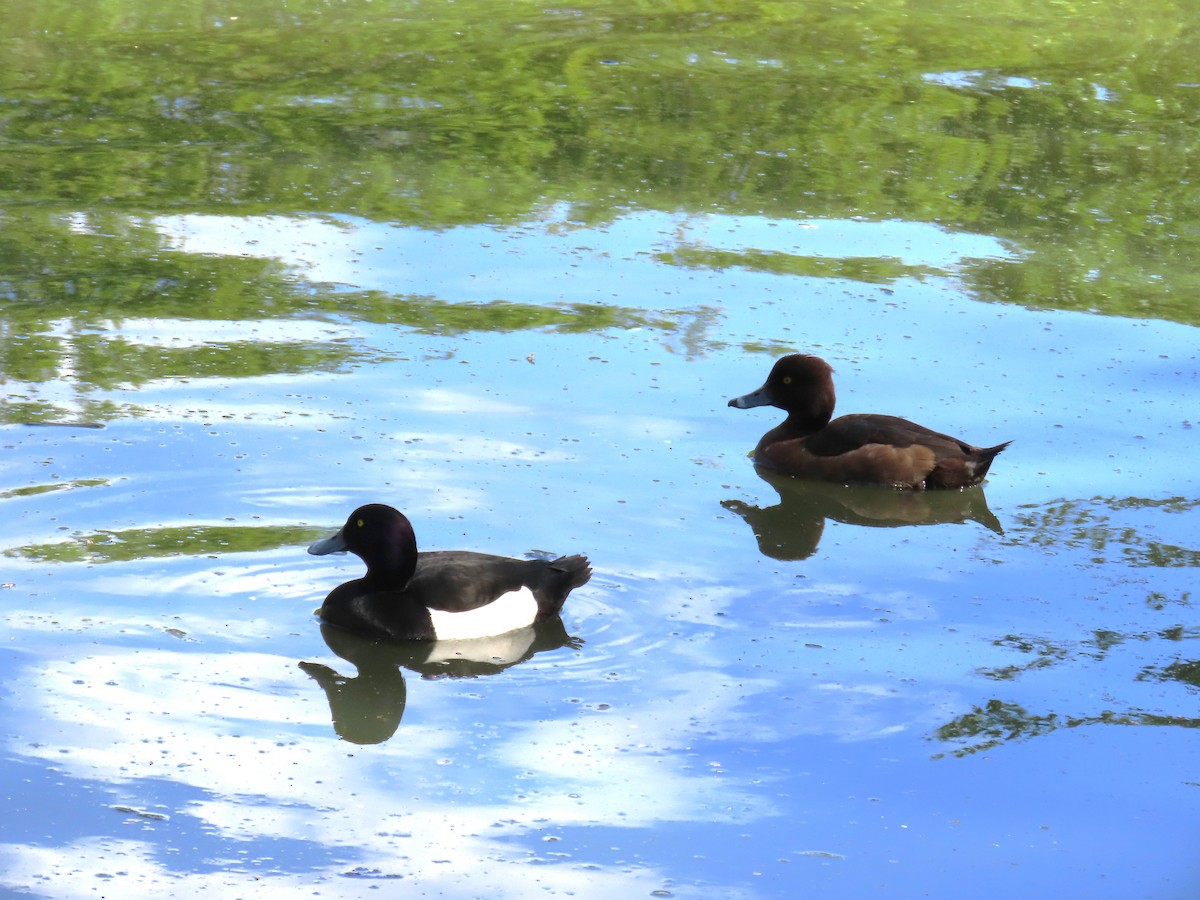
(862, 449)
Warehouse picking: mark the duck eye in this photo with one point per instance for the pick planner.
(359, 523)
(787, 379)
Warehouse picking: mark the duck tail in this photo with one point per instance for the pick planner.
(576, 571)
(562, 576)
(984, 459)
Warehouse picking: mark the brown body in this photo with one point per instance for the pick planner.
(864, 449)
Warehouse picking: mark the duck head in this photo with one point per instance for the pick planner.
(382, 537)
(800, 385)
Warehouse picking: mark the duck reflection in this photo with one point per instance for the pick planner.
(792, 529)
(367, 708)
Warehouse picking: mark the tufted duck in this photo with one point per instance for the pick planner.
(440, 595)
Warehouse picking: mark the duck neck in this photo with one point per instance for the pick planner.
(793, 427)
(807, 417)
(393, 561)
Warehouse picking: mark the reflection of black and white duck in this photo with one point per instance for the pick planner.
(439, 595)
(854, 449)
(367, 708)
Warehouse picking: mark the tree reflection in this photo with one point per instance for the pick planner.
(1106, 531)
(1186, 672)
(171, 541)
(124, 309)
(997, 722)
(1101, 527)
(492, 117)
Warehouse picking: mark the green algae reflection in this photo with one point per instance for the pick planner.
(149, 543)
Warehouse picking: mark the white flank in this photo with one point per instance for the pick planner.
(516, 609)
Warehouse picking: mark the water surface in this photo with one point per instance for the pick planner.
(504, 271)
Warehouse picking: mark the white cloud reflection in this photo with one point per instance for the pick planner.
(490, 787)
(366, 255)
(245, 738)
(249, 735)
(445, 400)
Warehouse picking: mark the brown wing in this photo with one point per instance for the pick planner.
(849, 433)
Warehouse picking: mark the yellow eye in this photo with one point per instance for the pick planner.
(359, 523)
(787, 379)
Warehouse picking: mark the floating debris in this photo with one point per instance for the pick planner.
(142, 813)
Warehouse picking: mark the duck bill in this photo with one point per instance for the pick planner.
(335, 543)
(761, 397)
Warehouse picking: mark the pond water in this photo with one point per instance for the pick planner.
(505, 274)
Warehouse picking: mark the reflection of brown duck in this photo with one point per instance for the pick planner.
(792, 528)
(367, 708)
(854, 449)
